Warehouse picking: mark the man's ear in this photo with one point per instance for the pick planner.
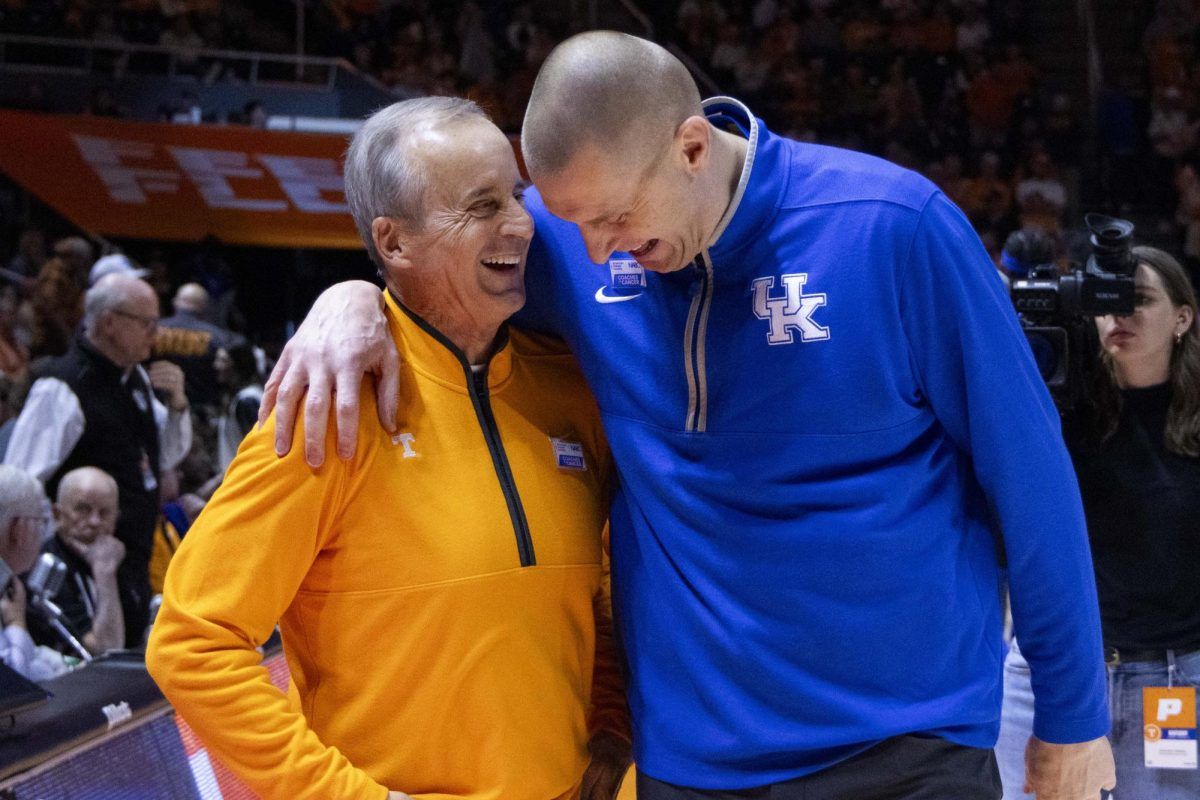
(693, 139)
(390, 242)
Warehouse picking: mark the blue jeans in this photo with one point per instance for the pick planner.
(1125, 682)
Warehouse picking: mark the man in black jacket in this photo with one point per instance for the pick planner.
(96, 406)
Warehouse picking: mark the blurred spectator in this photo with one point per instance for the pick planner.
(901, 105)
(209, 268)
(254, 115)
(103, 104)
(820, 35)
(990, 101)
(974, 32)
(1041, 195)
(31, 253)
(186, 43)
(1062, 131)
(188, 339)
(987, 194)
(940, 34)
(186, 111)
(57, 307)
(241, 394)
(114, 264)
(86, 515)
(14, 354)
(1172, 129)
(22, 520)
(1187, 215)
(76, 255)
(1016, 72)
(95, 406)
(477, 62)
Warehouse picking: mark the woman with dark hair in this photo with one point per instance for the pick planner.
(1136, 449)
(241, 392)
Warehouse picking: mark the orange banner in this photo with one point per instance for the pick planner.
(182, 183)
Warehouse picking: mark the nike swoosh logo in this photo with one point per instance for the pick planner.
(601, 297)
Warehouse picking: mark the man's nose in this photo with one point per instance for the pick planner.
(517, 221)
(599, 244)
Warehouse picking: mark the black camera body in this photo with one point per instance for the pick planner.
(1056, 310)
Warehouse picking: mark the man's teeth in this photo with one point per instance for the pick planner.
(502, 261)
(642, 248)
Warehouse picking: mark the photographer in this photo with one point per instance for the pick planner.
(1135, 444)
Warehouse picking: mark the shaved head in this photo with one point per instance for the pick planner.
(191, 297)
(87, 505)
(616, 92)
(86, 479)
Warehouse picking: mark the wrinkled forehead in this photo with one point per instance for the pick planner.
(92, 491)
(463, 155)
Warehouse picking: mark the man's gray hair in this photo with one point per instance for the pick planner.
(20, 496)
(108, 293)
(382, 178)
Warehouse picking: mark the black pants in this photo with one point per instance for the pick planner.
(903, 768)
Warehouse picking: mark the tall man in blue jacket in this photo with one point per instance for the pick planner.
(820, 402)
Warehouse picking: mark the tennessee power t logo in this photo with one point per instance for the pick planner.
(790, 313)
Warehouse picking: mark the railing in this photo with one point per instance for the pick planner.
(83, 57)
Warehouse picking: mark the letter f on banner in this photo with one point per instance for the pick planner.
(792, 312)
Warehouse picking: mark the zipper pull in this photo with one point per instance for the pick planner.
(480, 380)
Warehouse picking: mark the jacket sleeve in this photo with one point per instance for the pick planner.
(174, 430)
(977, 373)
(609, 710)
(50, 425)
(234, 576)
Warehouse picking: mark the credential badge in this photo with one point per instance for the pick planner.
(568, 455)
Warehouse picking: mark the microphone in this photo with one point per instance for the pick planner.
(47, 576)
(43, 583)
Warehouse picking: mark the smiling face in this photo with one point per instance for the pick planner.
(465, 265)
(650, 209)
(1142, 342)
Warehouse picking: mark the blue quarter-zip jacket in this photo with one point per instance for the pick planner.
(818, 428)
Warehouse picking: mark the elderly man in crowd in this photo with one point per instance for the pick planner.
(86, 515)
(448, 646)
(820, 402)
(96, 406)
(21, 525)
(188, 339)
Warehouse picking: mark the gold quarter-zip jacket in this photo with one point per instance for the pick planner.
(439, 595)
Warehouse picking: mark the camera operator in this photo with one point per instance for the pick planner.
(1135, 444)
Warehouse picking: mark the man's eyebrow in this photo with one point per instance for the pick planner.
(603, 217)
(480, 191)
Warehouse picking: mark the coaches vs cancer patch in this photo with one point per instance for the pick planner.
(569, 455)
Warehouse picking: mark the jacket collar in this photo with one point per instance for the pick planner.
(99, 362)
(764, 176)
(428, 351)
